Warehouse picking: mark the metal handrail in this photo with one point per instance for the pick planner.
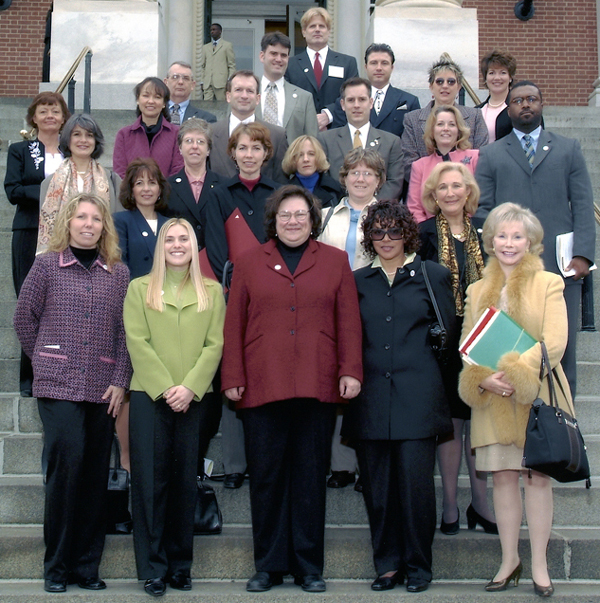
(29, 134)
(464, 83)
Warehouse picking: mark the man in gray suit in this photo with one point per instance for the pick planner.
(281, 103)
(356, 102)
(243, 98)
(555, 186)
(180, 82)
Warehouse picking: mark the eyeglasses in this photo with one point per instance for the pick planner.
(365, 174)
(378, 234)
(299, 216)
(198, 141)
(519, 100)
(450, 81)
(177, 76)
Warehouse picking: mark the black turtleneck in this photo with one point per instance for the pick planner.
(292, 255)
(85, 257)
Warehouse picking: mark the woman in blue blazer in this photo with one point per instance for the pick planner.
(144, 193)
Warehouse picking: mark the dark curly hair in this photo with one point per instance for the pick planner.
(287, 192)
(136, 169)
(390, 214)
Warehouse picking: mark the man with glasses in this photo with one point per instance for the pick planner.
(357, 103)
(180, 82)
(546, 173)
(445, 79)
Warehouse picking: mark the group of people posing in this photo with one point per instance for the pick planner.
(333, 252)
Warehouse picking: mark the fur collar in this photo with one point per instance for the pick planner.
(516, 290)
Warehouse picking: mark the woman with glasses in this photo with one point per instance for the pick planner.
(362, 175)
(292, 351)
(402, 407)
(445, 81)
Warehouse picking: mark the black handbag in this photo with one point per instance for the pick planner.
(119, 517)
(553, 443)
(207, 516)
(438, 336)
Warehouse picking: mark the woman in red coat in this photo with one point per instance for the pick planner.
(292, 351)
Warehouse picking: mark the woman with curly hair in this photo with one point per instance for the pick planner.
(402, 407)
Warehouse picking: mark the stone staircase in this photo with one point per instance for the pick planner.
(222, 563)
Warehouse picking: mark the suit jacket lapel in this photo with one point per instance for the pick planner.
(344, 141)
(544, 148)
(389, 104)
(290, 102)
(145, 231)
(373, 139)
(515, 150)
(307, 69)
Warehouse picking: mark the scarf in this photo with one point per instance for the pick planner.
(473, 268)
(62, 188)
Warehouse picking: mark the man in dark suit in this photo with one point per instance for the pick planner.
(243, 98)
(319, 69)
(554, 183)
(282, 103)
(180, 82)
(390, 104)
(337, 143)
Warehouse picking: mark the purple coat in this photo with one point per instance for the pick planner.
(69, 321)
(132, 142)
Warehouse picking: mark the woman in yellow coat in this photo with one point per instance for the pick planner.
(515, 281)
(174, 327)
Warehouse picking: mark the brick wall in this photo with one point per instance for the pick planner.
(557, 49)
(22, 30)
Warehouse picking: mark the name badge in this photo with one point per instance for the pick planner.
(335, 71)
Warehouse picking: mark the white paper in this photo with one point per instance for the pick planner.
(336, 71)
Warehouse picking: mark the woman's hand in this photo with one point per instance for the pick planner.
(234, 393)
(495, 383)
(349, 387)
(115, 395)
(179, 398)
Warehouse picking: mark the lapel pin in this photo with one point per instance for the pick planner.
(546, 148)
(277, 266)
(294, 95)
(177, 179)
(412, 272)
(144, 233)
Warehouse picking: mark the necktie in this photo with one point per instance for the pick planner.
(356, 143)
(271, 113)
(378, 101)
(529, 150)
(318, 69)
(175, 119)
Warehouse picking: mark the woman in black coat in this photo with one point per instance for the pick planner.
(402, 407)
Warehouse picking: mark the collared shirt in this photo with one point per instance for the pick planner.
(322, 56)
(535, 136)
(183, 105)
(196, 184)
(234, 122)
(410, 258)
(374, 92)
(279, 94)
(363, 132)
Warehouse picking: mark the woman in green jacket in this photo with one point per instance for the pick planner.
(174, 326)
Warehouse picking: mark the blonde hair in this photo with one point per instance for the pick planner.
(432, 183)
(154, 295)
(289, 163)
(313, 13)
(512, 212)
(464, 131)
(108, 244)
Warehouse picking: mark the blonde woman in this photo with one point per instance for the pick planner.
(174, 325)
(69, 320)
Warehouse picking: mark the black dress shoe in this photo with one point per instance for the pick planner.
(263, 581)
(233, 480)
(385, 582)
(50, 586)
(450, 529)
(26, 393)
(340, 479)
(358, 487)
(91, 583)
(155, 587)
(312, 583)
(473, 518)
(180, 582)
(416, 585)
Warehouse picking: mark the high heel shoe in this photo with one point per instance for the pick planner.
(450, 529)
(543, 591)
(473, 518)
(493, 587)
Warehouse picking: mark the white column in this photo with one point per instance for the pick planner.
(180, 29)
(350, 19)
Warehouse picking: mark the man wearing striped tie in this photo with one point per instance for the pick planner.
(546, 173)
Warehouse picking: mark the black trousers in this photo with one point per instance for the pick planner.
(77, 441)
(24, 243)
(288, 446)
(399, 493)
(163, 447)
(572, 296)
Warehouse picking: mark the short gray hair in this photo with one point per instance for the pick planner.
(87, 122)
(194, 124)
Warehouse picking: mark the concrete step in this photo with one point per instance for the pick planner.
(338, 591)
(572, 555)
